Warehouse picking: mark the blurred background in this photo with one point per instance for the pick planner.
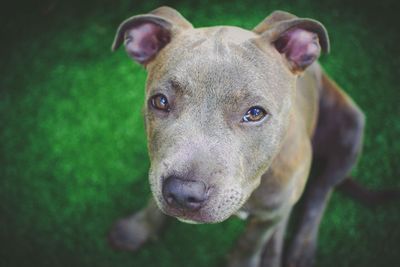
(73, 149)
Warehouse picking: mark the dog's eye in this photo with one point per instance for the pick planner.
(254, 114)
(159, 102)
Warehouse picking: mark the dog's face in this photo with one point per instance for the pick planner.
(217, 107)
(212, 116)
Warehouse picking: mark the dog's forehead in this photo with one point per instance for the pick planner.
(225, 44)
(229, 34)
(204, 54)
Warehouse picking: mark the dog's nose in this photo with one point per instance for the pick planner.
(185, 194)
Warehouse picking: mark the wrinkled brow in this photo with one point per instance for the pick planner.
(243, 97)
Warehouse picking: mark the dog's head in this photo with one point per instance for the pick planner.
(217, 105)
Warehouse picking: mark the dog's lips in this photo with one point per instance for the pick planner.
(187, 217)
(202, 216)
(215, 210)
(192, 217)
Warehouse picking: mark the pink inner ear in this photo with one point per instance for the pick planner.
(300, 47)
(144, 41)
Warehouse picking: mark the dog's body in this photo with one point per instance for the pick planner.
(234, 120)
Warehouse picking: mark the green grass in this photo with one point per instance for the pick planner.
(73, 147)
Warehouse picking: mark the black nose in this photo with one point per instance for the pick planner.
(185, 194)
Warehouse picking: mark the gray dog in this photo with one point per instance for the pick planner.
(234, 119)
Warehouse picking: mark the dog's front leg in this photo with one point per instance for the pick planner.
(272, 251)
(132, 232)
(261, 239)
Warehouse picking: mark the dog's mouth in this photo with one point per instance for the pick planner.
(217, 209)
(192, 217)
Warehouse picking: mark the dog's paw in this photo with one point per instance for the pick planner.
(129, 233)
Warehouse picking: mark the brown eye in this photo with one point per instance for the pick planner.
(254, 114)
(160, 102)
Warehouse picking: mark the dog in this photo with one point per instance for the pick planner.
(234, 120)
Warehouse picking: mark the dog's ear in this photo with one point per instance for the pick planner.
(300, 41)
(145, 35)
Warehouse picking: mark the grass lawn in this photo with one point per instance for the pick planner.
(73, 149)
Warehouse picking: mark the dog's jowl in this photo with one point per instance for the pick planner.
(234, 120)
